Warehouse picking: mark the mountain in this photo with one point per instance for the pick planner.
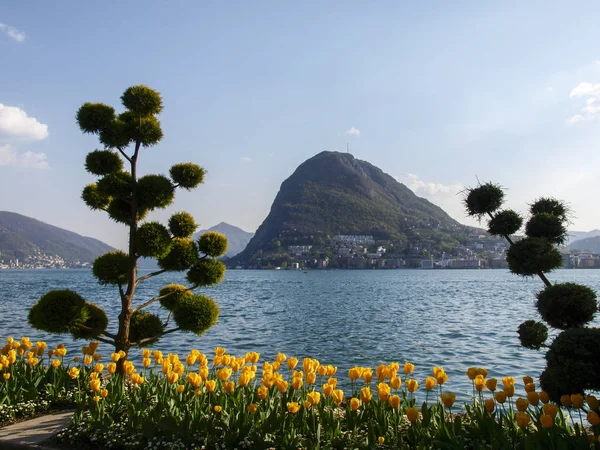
(574, 236)
(237, 239)
(22, 236)
(334, 193)
(591, 243)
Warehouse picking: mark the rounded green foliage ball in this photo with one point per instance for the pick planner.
(532, 334)
(548, 226)
(103, 162)
(505, 223)
(97, 320)
(152, 240)
(115, 135)
(187, 175)
(572, 363)
(58, 311)
(111, 268)
(182, 256)
(206, 272)
(142, 100)
(213, 243)
(549, 205)
(145, 325)
(155, 191)
(182, 225)
(530, 256)
(93, 198)
(118, 184)
(145, 130)
(94, 117)
(196, 314)
(483, 199)
(174, 294)
(567, 305)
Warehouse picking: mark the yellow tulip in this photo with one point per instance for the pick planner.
(577, 401)
(314, 398)
(204, 372)
(137, 379)
(73, 373)
(533, 397)
(412, 414)
(472, 373)
(593, 418)
(332, 381)
(430, 383)
(190, 359)
(328, 389)
(95, 385)
(282, 386)
(529, 387)
(565, 400)
(115, 357)
(546, 421)
(490, 405)
(508, 381)
(331, 371)
(354, 373)
(33, 361)
(210, 385)
(448, 399)
(479, 383)
(129, 367)
(408, 368)
(293, 407)
(394, 401)
(229, 386)
(172, 377)
(98, 368)
(527, 380)
(292, 363)
(6, 376)
(322, 370)
(111, 368)
(382, 372)
(354, 403)
(220, 351)
(93, 376)
(262, 392)
(396, 382)
(61, 351)
(550, 409)
(437, 370)
(544, 397)
(509, 390)
(55, 363)
(592, 401)
(366, 395)
(500, 397)
(297, 383)
(522, 404)
(146, 362)
(103, 393)
(217, 409)
(158, 356)
(522, 419)
(146, 353)
(97, 357)
(412, 385)
(252, 408)
(224, 373)
(380, 440)
(96, 398)
(244, 379)
(194, 379)
(367, 375)
(180, 388)
(338, 396)
(441, 378)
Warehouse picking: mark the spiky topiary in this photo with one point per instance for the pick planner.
(532, 334)
(174, 293)
(94, 117)
(111, 268)
(547, 226)
(213, 243)
(182, 224)
(206, 272)
(187, 175)
(196, 314)
(58, 311)
(182, 256)
(120, 211)
(142, 100)
(118, 184)
(567, 305)
(145, 130)
(103, 162)
(549, 205)
(144, 325)
(152, 240)
(115, 135)
(531, 256)
(484, 199)
(94, 198)
(97, 320)
(505, 223)
(155, 191)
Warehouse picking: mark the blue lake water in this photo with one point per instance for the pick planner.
(454, 319)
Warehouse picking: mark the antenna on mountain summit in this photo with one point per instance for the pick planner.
(347, 147)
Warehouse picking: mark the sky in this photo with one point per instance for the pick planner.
(437, 94)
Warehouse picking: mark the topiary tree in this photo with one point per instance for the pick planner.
(127, 198)
(573, 358)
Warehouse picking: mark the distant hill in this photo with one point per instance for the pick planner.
(591, 243)
(574, 236)
(22, 236)
(237, 239)
(334, 193)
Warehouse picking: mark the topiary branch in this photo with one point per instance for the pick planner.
(149, 275)
(97, 332)
(168, 318)
(160, 297)
(125, 155)
(153, 338)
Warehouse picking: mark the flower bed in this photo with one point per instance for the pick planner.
(230, 403)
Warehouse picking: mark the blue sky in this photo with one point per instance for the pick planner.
(435, 95)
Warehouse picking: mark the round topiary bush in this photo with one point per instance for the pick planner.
(145, 130)
(144, 325)
(532, 334)
(142, 100)
(111, 268)
(115, 135)
(567, 305)
(484, 199)
(505, 223)
(182, 225)
(196, 314)
(152, 240)
(174, 292)
(118, 184)
(187, 175)
(213, 244)
(155, 191)
(93, 198)
(530, 256)
(548, 226)
(58, 311)
(97, 320)
(551, 206)
(182, 256)
(103, 162)
(206, 272)
(94, 117)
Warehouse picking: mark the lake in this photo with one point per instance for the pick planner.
(450, 318)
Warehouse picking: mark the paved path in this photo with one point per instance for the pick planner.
(30, 433)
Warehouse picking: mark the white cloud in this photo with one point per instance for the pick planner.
(12, 32)
(574, 119)
(245, 158)
(353, 132)
(584, 89)
(15, 123)
(9, 157)
(591, 110)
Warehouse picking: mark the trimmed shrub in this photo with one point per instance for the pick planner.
(505, 223)
(530, 256)
(58, 311)
(213, 244)
(94, 117)
(549, 205)
(103, 162)
(484, 199)
(152, 240)
(206, 272)
(196, 314)
(111, 268)
(155, 191)
(548, 226)
(175, 292)
(142, 100)
(145, 325)
(182, 225)
(187, 175)
(532, 334)
(97, 320)
(93, 198)
(567, 305)
(182, 256)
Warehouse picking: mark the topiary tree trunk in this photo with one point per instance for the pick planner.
(573, 358)
(127, 198)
